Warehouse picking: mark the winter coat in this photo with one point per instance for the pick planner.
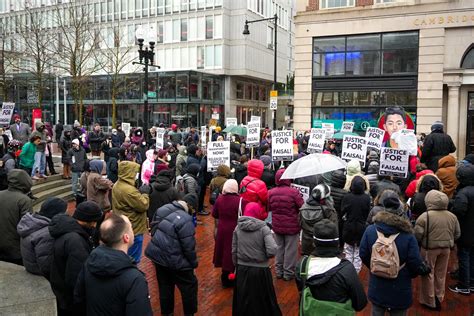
(392, 293)
(43, 134)
(255, 189)
(127, 200)
(27, 155)
(163, 192)
(112, 165)
(15, 204)
(95, 140)
(334, 280)
(378, 205)
(411, 189)
(181, 161)
(223, 174)
(192, 159)
(173, 244)
(436, 145)
(77, 158)
(312, 212)
(463, 206)
(354, 169)
(338, 181)
(72, 246)
(447, 174)
(443, 227)
(21, 132)
(65, 144)
(110, 284)
(148, 167)
(240, 172)
(252, 243)
(284, 202)
(426, 183)
(98, 190)
(9, 163)
(268, 177)
(355, 207)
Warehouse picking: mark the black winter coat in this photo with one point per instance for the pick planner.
(355, 207)
(338, 181)
(240, 173)
(72, 245)
(268, 176)
(173, 244)
(110, 284)
(163, 192)
(464, 205)
(96, 140)
(436, 145)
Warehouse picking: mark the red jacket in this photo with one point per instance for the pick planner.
(255, 189)
(411, 189)
(284, 202)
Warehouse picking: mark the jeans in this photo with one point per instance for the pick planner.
(136, 250)
(75, 181)
(380, 311)
(40, 164)
(466, 266)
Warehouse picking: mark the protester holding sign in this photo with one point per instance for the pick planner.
(282, 147)
(393, 162)
(316, 140)
(374, 137)
(218, 153)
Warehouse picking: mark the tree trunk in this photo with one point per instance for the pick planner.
(114, 110)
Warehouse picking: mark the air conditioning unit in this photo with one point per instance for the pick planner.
(270, 46)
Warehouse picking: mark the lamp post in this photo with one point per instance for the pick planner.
(275, 31)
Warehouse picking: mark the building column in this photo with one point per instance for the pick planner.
(453, 112)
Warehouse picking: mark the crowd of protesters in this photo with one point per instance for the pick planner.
(126, 188)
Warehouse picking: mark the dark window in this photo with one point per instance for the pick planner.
(206, 88)
(160, 32)
(167, 87)
(217, 89)
(209, 27)
(194, 87)
(182, 86)
(468, 59)
(184, 30)
(239, 90)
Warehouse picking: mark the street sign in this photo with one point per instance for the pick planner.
(273, 100)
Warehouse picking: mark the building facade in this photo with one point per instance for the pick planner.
(208, 68)
(355, 58)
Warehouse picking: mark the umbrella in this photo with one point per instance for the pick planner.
(236, 129)
(340, 135)
(313, 164)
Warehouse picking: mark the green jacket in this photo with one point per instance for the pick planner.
(127, 200)
(27, 155)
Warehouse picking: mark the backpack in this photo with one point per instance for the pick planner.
(179, 185)
(214, 195)
(384, 260)
(309, 306)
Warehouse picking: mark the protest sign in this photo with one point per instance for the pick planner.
(203, 136)
(160, 138)
(329, 128)
(7, 112)
(354, 148)
(253, 133)
(231, 121)
(218, 153)
(282, 145)
(406, 139)
(316, 140)
(254, 118)
(374, 137)
(215, 116)
(126, 129)
(393, 162)
(304, 190)
(347, 127)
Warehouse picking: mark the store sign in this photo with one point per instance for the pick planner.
(354, 148)
(282, 145)
(160, 138)
(218, 153)
(347, 127)
(7, 112)
(316, 140)
(253, 133)
(304, 190)
(374, 137)
(394, 162)
(231, 121)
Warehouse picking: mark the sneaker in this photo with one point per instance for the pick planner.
(458, 289)
(35, 178)
(43, 176)
(203, 213)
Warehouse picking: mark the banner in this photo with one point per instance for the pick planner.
(126, 129)
(218, 153)
(374, 137)
(203, 136)
(7, 112)
(354, 148)
(329, 128)
(316, 140)
(304, 190)
(230, 121)
(160, 138)
(282, 145)
(347, 127)
(394, 162)
(253, 133)
(406, 139)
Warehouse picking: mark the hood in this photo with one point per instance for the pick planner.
(338, 179)
(96, 166)
(436, 201)
(127, 171)
(114, 152)
(224, 171)
(162, 182)
(62, 224)
(353, 168)
(182, 150)
(19, 180)
(108, 262)
(279, 181)
(465, 175)
(447, 161)
(250, 224)
(193, 169)
(358, 185)
(422, 173)
(255, 168)
(149, 155)
(31, 223)
(323, 270)
(389, 223)
(39, 124)
(428, 182)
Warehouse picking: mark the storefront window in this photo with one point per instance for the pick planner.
(134, 90)
(161, 114)
(358, 98)
(217, 89)
(179, 114)
(248, 91)
(206, 88)
(239, 90)
(167, 87)
(182, 86)
(194, 86)
(192, 115)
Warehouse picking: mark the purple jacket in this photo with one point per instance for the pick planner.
(284, 202)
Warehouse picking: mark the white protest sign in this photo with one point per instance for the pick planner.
(374, 137)
(215, 116)
(253, 133)
(329, 128)
(9, 134)
(218, 153)
(347, 127)
(160, 138)
(126, 129)
(7, 112)
(304, 190)
(354, 148)
(231, 121)
(406, 139)
(282, 145)
(254, 118)
(393, 162)
(203, 136)
(316, 140)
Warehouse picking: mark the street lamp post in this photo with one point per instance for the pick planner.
(275, 31)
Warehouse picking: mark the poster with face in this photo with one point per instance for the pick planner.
(393, 120)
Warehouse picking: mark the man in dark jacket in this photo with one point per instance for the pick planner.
(268, 175)
(77, 157)
(338, 181)
(436, 145)
(58, 131)
(330, 278)
(73, 243)
(96, 138)
(15, 204)
(173, 252)
(192, 157)
(163, 192)
(109, 283)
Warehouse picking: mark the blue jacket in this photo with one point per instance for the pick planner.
(173, 244)
(392, 293)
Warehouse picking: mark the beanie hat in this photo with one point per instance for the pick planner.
(162, 153)
(267, 160)
(254, 210)
(438, 125)
(53, 206)
(326, 238)
(193, 169)
(88, 211)
(230, 187)
(76, 141)
(76, 123)
(16, 116)
(392, 205)
(191, 200)
(373, 168)
(469, 158)
(321, 192)
(191, 149)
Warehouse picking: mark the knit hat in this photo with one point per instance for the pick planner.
(438, 125)
(230, 186)
(373, 167)
(76, 141)
(53, 206)
(88, 211)
(392, 205)
(193, 169)
(469, 158)
(16, 116)
(326, 238)
(191, 149)
(320, 192)
(267, 160)
(76, 123)
(191, 200)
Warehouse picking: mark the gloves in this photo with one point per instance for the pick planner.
(145, 189)
(424, 269)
